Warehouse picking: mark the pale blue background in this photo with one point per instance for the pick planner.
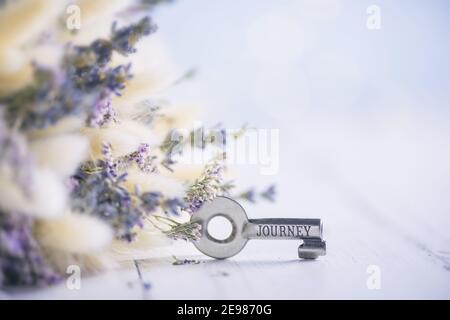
(364, 119)
(371, 104)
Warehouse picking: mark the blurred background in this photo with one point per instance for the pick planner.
(368, 108)
(363, 115)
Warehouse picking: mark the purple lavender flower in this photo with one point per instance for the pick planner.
(102, 195)
(72, 183)
(102, 114)
(84, 79)
(141, 157)
(123, 40)
(249, 195)
(110, 164)
(143, 149)
(21, 260)
(151, 200)
(141, 154)
(269, 193)
(103, 50)
(98, 190)
(146, 285)
(223, 135)
(182, 262)
(172, 206)
(117, 77)
(207, 186)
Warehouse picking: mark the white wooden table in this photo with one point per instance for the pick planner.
(412, 256)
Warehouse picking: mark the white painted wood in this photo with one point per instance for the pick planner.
(357, 236)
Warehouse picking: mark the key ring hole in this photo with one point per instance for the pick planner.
(220, 229)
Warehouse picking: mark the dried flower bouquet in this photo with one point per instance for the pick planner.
(87, 162)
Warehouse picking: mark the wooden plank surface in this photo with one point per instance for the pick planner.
(358, 235)
(364, 145)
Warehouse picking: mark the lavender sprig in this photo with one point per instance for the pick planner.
(148, 112)
(113, 166)
(110, 166)
(97, 189)
(174, 142)
(102, 114)
(248, 195)
(182, 262)
(269, 193)
(207, 186)
(188, 231)
(124, 40)
(80, 87)
(141, 157)
(251, 194)
(173, 206)
(21, 260)
(104, 196)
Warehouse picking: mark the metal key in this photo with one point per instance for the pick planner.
(307, 231)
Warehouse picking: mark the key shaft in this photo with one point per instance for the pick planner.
(283, 229)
